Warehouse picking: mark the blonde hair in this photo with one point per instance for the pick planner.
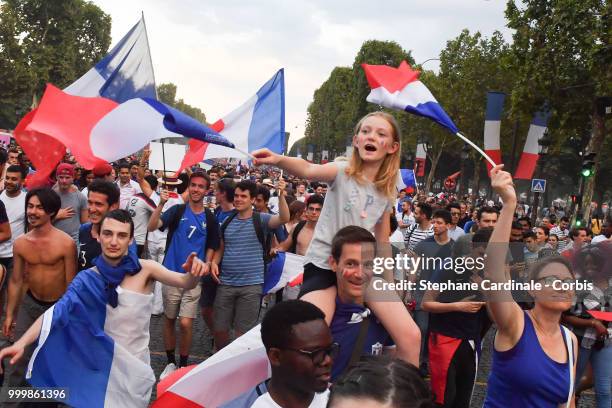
(386, 178)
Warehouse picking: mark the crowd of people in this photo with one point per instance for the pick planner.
(144, 243)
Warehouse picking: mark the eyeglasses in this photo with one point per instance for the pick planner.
(318, 356)
(455, 213)
(315, 209)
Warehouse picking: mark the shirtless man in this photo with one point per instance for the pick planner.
(44, 265)
(126, 322)
(299, 240)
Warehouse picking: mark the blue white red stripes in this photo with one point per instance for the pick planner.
(406, 178)
(285, 268)
(125, 73)
(75, 353)
(492, 126)
(235, 369)
(529, 158)
(258, 123)
(399, 88)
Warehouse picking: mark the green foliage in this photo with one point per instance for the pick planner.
(46, 42)
(166, 93)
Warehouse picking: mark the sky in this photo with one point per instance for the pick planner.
(220, 52)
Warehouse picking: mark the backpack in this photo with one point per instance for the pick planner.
(294, 234)
(174, 223)
(265, 241)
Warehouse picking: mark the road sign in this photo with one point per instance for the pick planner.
(538, 185)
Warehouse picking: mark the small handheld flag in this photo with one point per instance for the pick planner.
(399, 88)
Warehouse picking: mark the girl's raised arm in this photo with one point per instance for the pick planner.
(298, 167)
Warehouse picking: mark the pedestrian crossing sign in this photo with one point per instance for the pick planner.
(538, 185)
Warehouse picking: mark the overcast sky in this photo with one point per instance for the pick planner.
(219, 53)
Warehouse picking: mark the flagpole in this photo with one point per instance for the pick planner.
(144, 24)
(478, 149)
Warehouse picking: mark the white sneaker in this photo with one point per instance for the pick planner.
(170, 368)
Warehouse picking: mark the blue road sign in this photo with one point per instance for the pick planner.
(538, 185)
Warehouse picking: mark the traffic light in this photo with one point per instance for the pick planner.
(588, 165)
(576, 198)
(579, 220)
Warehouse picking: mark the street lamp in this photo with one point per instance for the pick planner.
(465, 155)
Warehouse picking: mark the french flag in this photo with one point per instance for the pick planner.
(399, 88)
(406, 179)
(75, 353)
(125, 73)
(258, 123)
(235, 369)
(284, 269)
(99, 129)
(495, 107)
(108, 113)
(529, 158)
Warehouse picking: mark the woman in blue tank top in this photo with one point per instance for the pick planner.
(533, 357)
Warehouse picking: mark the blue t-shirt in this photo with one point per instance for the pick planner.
(221, 215)
(243, 263)
(345, 327)
(189, 236)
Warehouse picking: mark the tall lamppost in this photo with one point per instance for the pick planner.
(465, 155)
(543, 145)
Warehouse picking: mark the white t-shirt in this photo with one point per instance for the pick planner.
(159, 237)
(140, 209)
(15, 210)
(347, 203)
(455, 233)
(266, 401)
(127, 191)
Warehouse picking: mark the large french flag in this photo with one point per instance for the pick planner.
(399, 88)
(284, 269)
(258, 123)
(219, 379)
(125, 73)
(493, 114)
(99, 129)
(529, 158)
(75, 353)
(405, 179)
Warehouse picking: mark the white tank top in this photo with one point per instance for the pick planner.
(128, 323)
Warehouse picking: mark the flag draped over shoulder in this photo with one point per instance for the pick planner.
(399, 88)
(256, 124)
(75, 353)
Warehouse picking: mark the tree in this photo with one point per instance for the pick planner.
(166, 93)
(470, 66)
(376, 53)
(329, 121)
(46, 41)
(561, 54)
